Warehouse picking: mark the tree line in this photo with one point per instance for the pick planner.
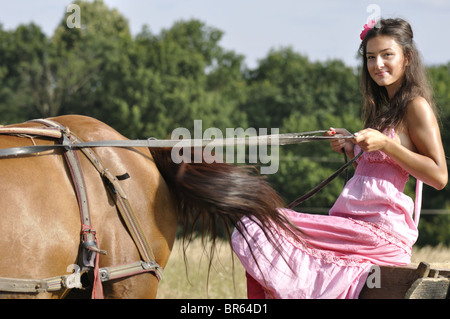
(149, 84)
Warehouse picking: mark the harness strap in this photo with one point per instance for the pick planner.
(74, 280)
(126, 270)
(88, 238)
(88, 234)
(41, 285)
(122, 204)
(40, 131)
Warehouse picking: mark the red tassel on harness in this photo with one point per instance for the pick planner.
(92, 246)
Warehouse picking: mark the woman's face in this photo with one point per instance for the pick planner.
(386, 62)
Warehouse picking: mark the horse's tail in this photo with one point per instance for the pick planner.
(221, 193)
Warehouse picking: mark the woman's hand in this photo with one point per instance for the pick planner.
(371, 140)
(338, 145)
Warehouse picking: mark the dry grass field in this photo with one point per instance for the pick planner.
(438, 257)
(177, 284)
(193, 283)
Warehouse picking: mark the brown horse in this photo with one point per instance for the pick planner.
(40, 217)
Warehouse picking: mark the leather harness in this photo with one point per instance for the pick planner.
(90, 250)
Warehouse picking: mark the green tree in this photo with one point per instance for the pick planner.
(286, 82)
(440, 79)
(280, 84)
(24, 66)
(190, 77)
(433, 229)
(93, 67)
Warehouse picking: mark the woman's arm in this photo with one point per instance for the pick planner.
(420, 152)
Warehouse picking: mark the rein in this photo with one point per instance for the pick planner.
(301, 199)
(275, 139)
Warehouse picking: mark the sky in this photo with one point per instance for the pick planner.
(318, 29)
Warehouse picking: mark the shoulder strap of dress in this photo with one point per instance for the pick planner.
(418, 202)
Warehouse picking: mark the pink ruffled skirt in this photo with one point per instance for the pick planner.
(331, 259)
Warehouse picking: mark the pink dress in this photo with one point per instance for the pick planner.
(370, 223)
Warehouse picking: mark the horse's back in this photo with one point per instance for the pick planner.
(40, 215)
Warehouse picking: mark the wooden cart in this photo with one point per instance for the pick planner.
(410, 282)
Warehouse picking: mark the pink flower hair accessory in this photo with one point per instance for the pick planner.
(367, 28)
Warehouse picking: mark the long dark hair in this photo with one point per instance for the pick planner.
(380, 112)
(221, 194)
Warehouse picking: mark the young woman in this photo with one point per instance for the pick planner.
(372, 221)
